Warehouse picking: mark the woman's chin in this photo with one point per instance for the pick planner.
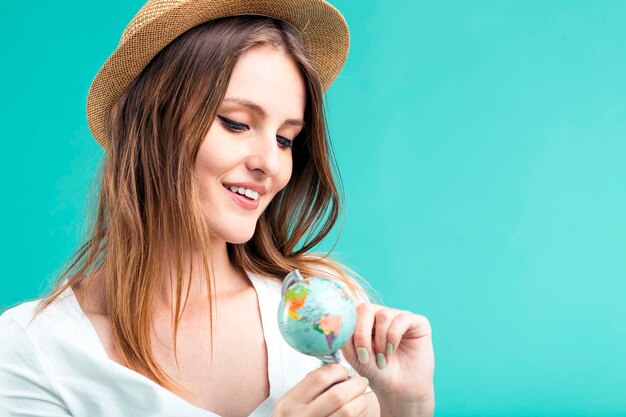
(239, 238)
(239, 241)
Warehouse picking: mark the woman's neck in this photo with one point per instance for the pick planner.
(227, 280)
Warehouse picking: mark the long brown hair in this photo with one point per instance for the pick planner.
(148, 209)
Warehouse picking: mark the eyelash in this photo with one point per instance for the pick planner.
(239, 127)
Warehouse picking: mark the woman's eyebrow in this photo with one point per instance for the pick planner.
(259, 110)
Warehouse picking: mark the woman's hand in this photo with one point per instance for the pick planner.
(401, 374)
(325, 392)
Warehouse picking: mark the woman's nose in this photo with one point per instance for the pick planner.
(265, 154)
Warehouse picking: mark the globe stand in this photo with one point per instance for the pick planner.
(329, 358)
(292, 277)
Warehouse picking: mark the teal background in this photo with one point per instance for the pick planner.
(481, 146)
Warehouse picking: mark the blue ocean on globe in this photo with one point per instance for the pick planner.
(316, 316)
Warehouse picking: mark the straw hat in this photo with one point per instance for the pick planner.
(159, 22)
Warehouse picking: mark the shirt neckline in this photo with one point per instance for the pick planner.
(270, 334)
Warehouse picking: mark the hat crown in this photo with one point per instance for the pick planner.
(159, 22)
(150, 11)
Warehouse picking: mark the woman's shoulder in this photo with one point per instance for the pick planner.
(16, 347)
(23, 315)
(17, 322)
(13, 323)
(22, 369)
(18, 314)
(57, 331)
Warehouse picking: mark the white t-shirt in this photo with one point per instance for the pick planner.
(57, 365)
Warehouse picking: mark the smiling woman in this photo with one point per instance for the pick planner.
(217, 168)
(266, 94)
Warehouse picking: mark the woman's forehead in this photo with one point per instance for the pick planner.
(258, 109)
(266, 81)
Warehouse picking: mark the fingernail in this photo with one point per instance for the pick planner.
(389, 349)
(381, 361)
(363, 355)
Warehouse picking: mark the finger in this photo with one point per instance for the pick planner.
(382, 322)
(316, 381)
(355, 407)
(338, 396)
(363, 330)
(401, 323)
(410, 326)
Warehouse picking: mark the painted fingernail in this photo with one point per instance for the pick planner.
(389, 349)
(381, 361)
(363, 355)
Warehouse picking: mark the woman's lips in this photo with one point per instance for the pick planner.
(244, 202)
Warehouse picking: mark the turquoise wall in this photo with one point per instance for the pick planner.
(481, 146)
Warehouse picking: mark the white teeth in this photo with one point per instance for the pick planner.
(244, 191)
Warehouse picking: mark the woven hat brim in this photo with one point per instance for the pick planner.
(323, 29)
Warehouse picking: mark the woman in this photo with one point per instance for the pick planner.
(217, 166)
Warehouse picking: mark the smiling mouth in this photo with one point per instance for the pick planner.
(243, 192)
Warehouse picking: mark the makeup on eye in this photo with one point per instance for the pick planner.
(285, 143)
(234, 126)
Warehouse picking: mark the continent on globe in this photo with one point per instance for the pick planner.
(295, 299)
(316, 316)
(329, 326)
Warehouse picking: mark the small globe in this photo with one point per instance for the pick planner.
(316, 316)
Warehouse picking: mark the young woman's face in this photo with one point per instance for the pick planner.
(247, 143)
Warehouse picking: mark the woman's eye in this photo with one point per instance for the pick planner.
(232, 125)
(284, 142)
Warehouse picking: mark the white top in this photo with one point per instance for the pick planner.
(57, 365)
